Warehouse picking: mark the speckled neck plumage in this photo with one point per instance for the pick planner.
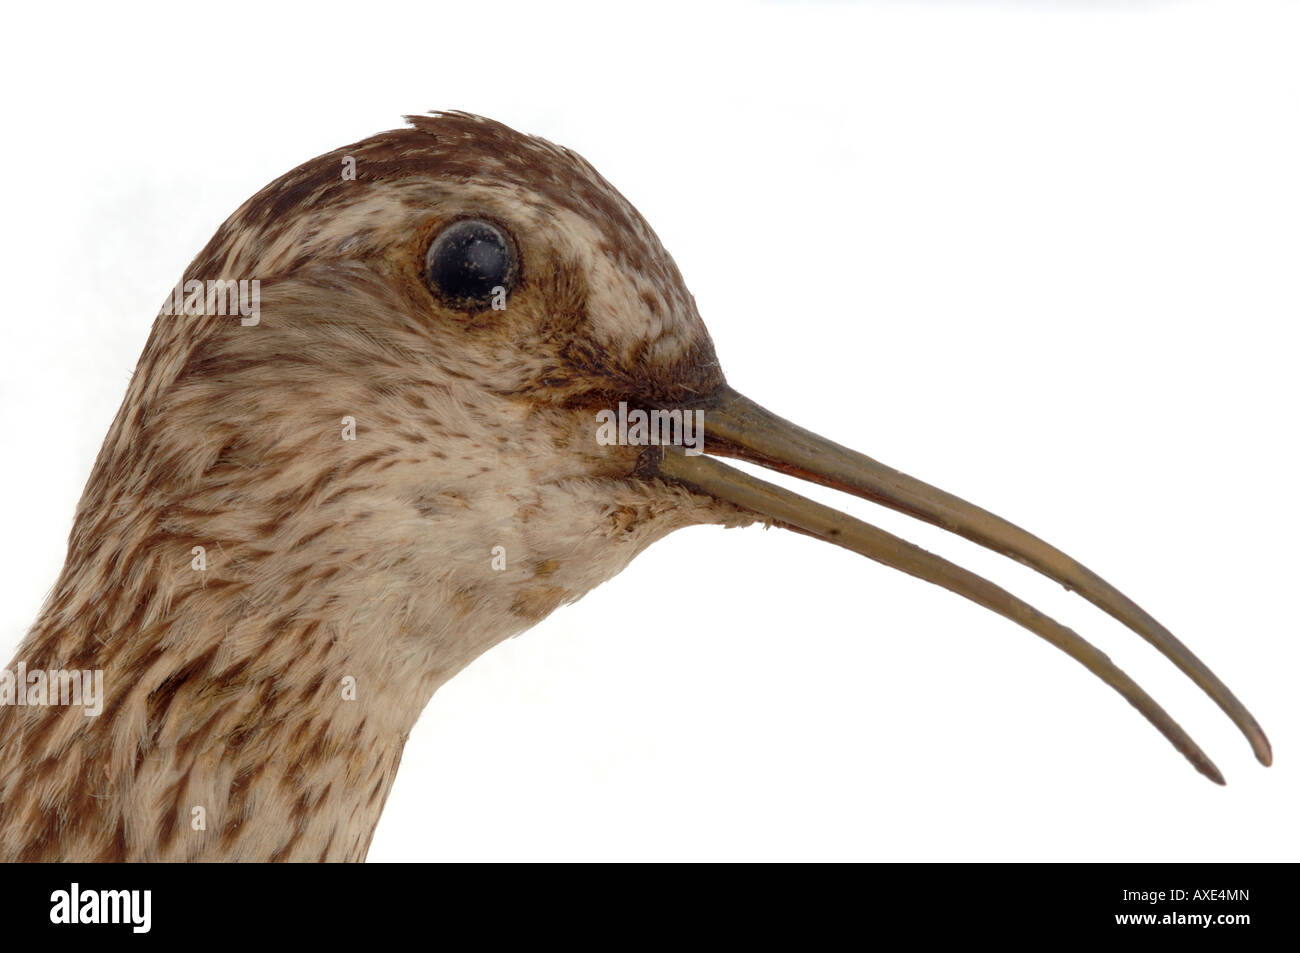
(330, 559)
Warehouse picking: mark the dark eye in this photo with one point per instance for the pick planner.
(468, 260)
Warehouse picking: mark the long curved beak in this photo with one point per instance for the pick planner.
(735, 426)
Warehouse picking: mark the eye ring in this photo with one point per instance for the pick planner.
(468, 261)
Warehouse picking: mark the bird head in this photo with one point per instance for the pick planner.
(444, 312)
(466, 384)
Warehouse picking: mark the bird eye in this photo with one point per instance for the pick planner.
(468, 260)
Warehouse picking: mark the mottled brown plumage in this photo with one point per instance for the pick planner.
(474, 500)
(329, 558)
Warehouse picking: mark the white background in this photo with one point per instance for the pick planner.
(1041, 254)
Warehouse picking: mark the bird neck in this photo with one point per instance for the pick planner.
(272, 604)
(264, 647)
(229, 728)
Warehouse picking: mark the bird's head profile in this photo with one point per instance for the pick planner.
(412, 396)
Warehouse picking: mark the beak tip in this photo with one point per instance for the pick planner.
(1259, 742)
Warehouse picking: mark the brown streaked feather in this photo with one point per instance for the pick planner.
(329, 558)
